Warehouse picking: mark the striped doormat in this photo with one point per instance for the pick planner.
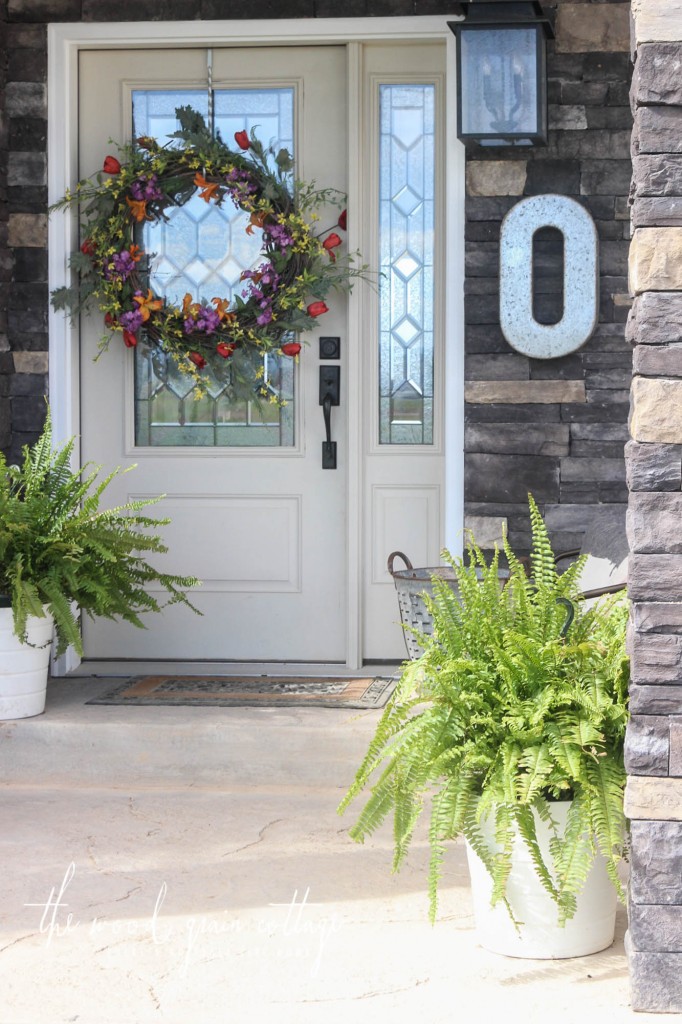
(251, 691)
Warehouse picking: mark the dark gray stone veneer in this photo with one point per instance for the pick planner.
(587, 157)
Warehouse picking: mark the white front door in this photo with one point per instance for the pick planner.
(253, 513)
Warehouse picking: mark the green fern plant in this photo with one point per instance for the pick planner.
(506, 711)
(59, 549)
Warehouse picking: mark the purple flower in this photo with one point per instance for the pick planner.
(205, 319)
(262, 280)
(131, 321)
(146, 189)
(278, 234)
(265, 317)
(120, 267)
(240, 185)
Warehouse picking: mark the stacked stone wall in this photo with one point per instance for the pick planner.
(555, 427)
(654, 468)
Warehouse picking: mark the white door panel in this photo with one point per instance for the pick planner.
(266, 528)
(262, 527)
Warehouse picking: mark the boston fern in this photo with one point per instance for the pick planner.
(60, 549)
(510, 708)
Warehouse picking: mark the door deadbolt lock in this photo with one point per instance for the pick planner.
(330, 348)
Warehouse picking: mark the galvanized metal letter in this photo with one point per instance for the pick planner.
(581, 276)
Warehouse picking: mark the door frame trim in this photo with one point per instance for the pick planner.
(64, 43)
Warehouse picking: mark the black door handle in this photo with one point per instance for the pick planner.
(330, 388)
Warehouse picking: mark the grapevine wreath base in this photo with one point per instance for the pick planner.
(281, 296)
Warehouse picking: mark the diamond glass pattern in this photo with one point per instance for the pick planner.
(203, 249)
(406, 252)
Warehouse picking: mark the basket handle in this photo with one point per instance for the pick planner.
(398, 554)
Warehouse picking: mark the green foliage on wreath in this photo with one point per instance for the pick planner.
(501, 716)
(280, 298)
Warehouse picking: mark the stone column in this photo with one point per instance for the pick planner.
(654, 467)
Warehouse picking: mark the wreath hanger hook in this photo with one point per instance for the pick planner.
(209, 86)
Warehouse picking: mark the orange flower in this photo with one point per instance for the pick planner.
(257, 220)
(138, 208)
(147, 304)
(136, 253)
(209, 189)
(221, 308)
(189, 307)
(246, 274)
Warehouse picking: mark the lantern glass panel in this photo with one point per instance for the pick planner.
(499, 81)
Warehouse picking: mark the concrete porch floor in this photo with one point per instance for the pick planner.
(187, 865)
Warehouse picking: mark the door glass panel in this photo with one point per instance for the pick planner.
(406, 254)
(203, 249)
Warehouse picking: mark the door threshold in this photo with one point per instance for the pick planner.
(110, 667)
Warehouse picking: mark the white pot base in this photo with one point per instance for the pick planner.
(540, 936)
(23, 669)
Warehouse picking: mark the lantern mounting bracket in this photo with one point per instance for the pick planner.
(519, 11)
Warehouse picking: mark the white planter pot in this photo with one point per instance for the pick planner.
(23, 669)
(540, 937)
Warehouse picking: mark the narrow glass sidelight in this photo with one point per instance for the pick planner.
(202, 249)
(406, 257)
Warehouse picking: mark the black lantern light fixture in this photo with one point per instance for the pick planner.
(502, 73)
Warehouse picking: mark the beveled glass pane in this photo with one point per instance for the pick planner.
(202, 249)
(169, 413)
(154, 111)
(406, 254)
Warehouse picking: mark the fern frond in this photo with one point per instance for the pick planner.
(502, 715)
(58, 547)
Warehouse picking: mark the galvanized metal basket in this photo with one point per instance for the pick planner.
(411, 585)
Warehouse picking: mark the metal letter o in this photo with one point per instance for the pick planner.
(581, 276)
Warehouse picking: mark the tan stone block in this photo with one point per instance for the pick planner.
(31, 362)
(522, 392)
(657, 20)
(604, 27)
(486, 530)
(496, 177)
(655, 260)
(656, 410)
(27, 230)
(653, 799)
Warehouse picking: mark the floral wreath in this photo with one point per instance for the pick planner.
(281, 297)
